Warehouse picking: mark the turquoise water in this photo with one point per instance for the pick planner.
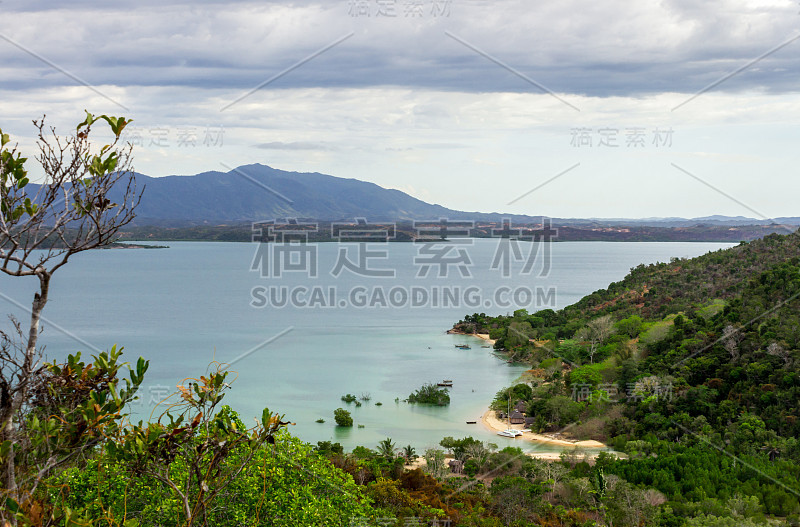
(191, 304)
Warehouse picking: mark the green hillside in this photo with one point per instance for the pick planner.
(690, 368)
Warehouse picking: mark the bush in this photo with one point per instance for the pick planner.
(430, 394)
(342, 417)
(471, 467)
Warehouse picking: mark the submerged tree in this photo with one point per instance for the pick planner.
(41, 228)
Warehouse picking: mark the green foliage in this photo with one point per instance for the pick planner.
(655, 331)
(435, 464)
(387, 448)
(342, 417)
(518, 334)
(714, 308)
(569, 351)
(630, 326)
(74, 408)
(196, 449)
(409, 453)
(593, 374)
(430, 394)
(562, 410)
(284, 484)
(460, 448)
(707, 390)
(327, 449)
(78, 405)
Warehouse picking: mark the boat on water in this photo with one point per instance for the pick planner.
(463, 346)
(445, 383)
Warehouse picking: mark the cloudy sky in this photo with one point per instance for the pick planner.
(568, 108)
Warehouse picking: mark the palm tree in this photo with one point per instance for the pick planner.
(772, 451)
(409, 453)
(386, 448)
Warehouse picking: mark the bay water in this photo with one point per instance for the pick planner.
(299, 333)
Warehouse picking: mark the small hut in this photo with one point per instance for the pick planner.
(517, 418)
(456, 466)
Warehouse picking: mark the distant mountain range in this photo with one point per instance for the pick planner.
(258, 192)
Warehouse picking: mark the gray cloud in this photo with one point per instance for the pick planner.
(614, 48)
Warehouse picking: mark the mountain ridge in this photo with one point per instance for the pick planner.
(256, 192)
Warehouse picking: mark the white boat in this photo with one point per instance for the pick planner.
(510, 432)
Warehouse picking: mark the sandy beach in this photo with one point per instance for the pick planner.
(490, 421)
(484, 336)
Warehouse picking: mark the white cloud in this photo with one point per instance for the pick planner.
(405, 106)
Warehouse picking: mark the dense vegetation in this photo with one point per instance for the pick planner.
(690, 368)
(430, 394)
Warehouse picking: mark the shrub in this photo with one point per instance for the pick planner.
(342, 417)
(430, 394)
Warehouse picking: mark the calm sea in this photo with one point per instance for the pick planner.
(320, 337)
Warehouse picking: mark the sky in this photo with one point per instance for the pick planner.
(565, 109)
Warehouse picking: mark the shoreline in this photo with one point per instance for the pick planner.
(482, 336)
(490, 421)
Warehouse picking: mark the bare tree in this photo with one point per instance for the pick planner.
(731, 337)
(777, 350)
(596, 332)
(41, 227)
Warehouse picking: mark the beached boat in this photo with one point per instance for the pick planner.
(510, 432)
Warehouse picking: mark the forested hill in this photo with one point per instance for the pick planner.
(690, 368)
(659, 289)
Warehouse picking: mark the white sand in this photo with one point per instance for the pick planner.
(490, 421)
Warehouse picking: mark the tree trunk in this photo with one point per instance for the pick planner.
(39, 301)
(14, 405)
